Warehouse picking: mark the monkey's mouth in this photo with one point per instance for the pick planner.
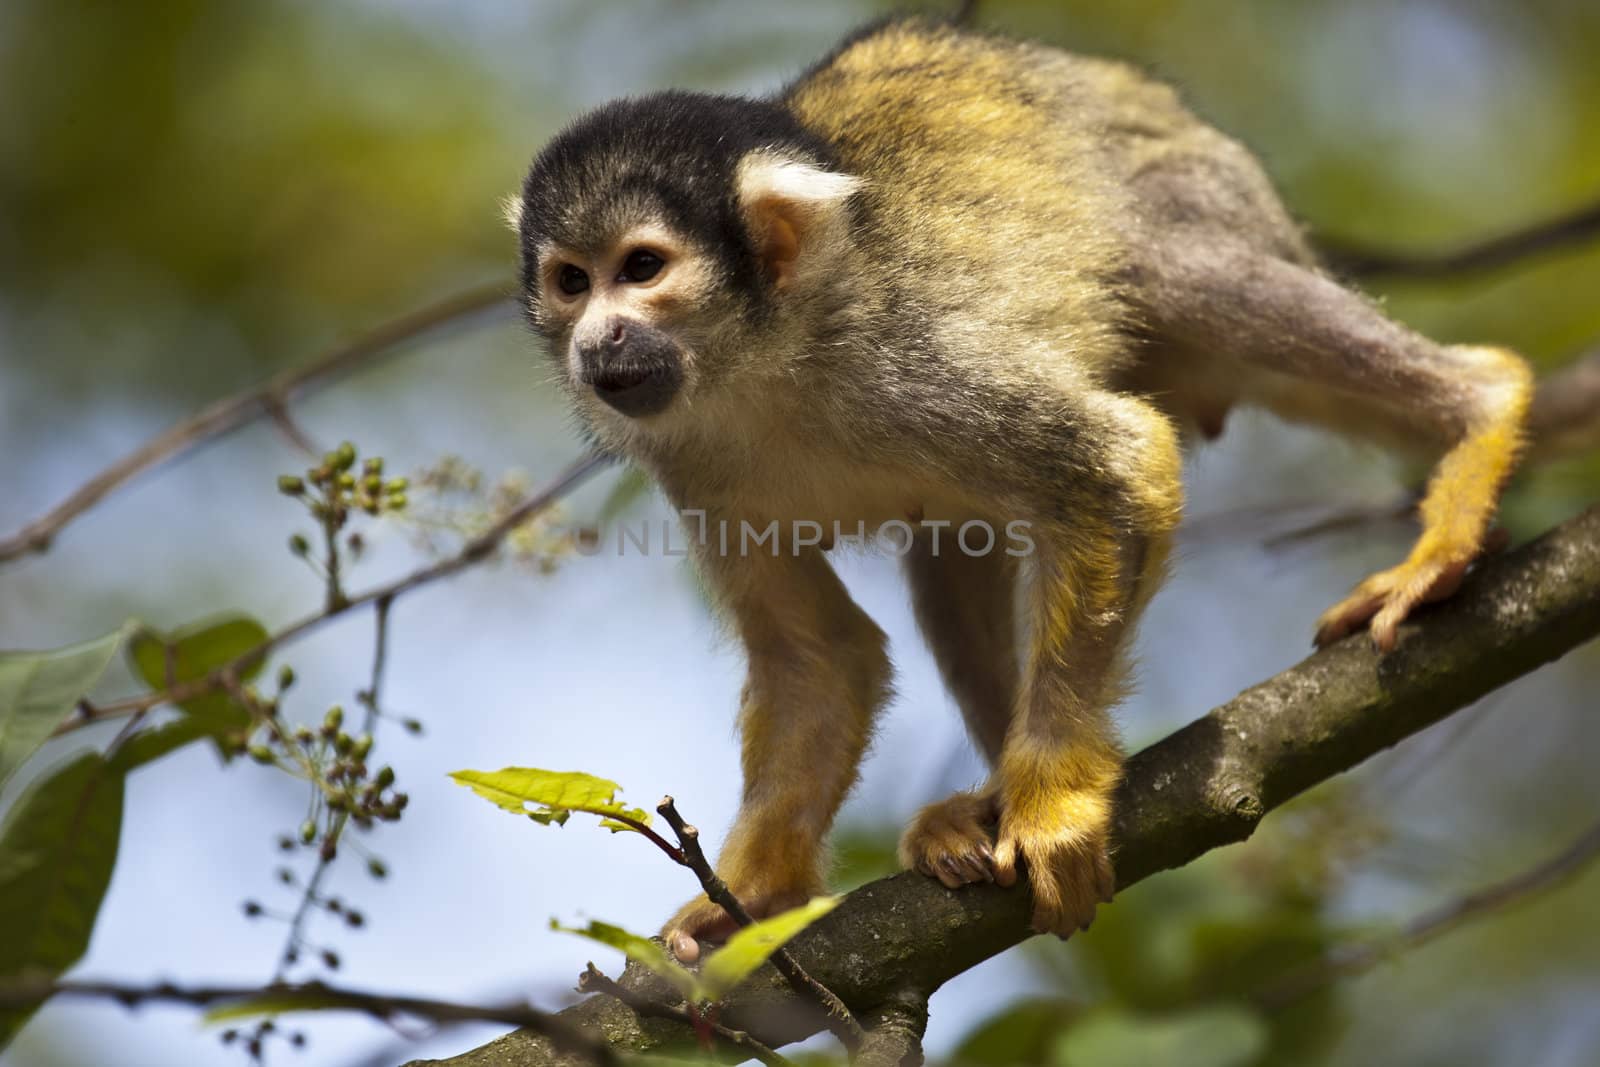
(637, 389)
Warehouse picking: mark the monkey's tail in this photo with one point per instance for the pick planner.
(1564, 417)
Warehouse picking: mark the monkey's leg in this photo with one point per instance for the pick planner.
(1210, 294)
(964, 604)
(818, 673)
(1098, 558)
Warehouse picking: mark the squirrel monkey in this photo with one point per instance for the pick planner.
(947, 277)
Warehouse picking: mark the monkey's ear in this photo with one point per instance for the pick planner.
(789, 205)
(511, 211)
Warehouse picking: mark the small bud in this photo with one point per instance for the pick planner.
(330, 849)
(285, 677)
(385, 777)
(362, 746)
(298, 1039)
(308, 832)
(372, 484)
(412, 726)
(335, 906)
(286, 876)
(354, 919)
(229, 1036)
(251, 909)
(303, 734)
(397, 502)
(289, 485)
(285, 843)
(376, 868)
(347, 481)
(343, 743)
(373, 465)
(357, 544)
(331, 958)
(344, 457)
(400, 801)
(261, 754)
(397, 485)
(299, 545)
(254, 1048)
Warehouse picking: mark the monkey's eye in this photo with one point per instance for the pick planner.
(640, 266)
(571, 280)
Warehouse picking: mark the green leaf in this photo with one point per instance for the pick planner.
(1220, 1036)
(149, 745)
(193, 652)
(645, 952)
(555, 794)
(57, 850)
(38, 690)
(1023, 1033)
(750, 947)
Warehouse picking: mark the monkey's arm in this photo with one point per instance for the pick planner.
(817, 674)
(1309, 348)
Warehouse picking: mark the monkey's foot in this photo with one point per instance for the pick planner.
(1069, 871)
(953, 840)
(701, 920)
(1431, 573)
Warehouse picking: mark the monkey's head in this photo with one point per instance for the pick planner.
(667, 244)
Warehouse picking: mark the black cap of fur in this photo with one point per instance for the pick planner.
(672, 153)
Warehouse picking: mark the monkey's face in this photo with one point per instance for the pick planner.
(621, 315)
(667, 243)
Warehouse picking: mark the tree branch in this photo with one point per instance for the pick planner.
(840, 1020)
(1357, 959)
(232, 412)
(1204, 786)
(315, 996)
(1575, 227)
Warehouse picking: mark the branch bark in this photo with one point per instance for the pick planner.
(1207, 785)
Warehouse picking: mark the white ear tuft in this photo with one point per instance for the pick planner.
(511, 211)
(767, 176)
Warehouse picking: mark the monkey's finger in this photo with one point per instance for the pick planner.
(684, 947)
(949, 876)
(972, 869)
(1005, 864)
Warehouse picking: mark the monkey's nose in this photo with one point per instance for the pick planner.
(633, 367)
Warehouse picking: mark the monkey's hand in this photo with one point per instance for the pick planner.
(1063, 836)
(953, 840)
(763, 892)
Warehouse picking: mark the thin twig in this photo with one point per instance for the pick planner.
(311, 996)
(1575, 227)
(593, 980)
(380, 657)
(476, 550)
(841, 1022)
(232, 412)
(308, 900)
(1357, 959)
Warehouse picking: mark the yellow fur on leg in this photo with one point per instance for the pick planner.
(1455, 513)
(1056, 816)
